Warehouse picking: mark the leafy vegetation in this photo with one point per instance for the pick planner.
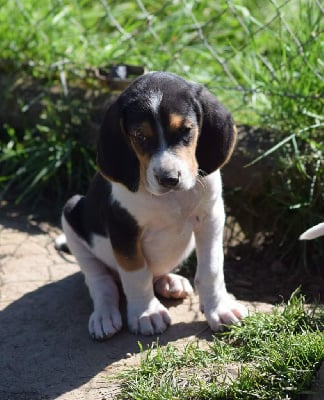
(270, 356)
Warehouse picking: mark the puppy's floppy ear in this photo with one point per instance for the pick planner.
(115, 158)
(218, 133)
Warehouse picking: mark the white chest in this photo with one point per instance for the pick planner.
(168, 222)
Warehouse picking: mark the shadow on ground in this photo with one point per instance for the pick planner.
(28, 220)
(45, 349)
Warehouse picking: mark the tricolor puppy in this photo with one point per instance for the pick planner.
(157, 195)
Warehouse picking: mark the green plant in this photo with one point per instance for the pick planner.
(269, 356)
(288, 79)
(51, 159)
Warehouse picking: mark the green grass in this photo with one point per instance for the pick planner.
(38, 164)
(270, 356)
(245, 53)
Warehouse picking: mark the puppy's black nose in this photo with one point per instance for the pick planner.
(168, 181)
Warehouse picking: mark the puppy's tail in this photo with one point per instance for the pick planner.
(314, 232)
(60, 244)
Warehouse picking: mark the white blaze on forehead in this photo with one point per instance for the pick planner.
(154, 101)
(155, 98)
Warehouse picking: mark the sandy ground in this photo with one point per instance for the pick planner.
(45, 351)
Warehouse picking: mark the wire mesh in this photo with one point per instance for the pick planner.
(205, 41)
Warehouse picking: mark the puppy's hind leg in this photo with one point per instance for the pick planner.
(105, 320)
(173, 286)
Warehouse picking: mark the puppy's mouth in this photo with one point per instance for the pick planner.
(160, 191)
(168, 184)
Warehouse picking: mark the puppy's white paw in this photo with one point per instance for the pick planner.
(223, 312)
(104, 322)
(173, 286)
(149, 318)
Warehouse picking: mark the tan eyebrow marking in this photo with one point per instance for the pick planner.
(176, 121)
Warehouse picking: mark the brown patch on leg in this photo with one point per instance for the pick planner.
(131, 262)
(125, 237)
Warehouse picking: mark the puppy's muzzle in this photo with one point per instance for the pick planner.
(168, 180)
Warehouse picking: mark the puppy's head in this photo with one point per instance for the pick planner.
(162, 133)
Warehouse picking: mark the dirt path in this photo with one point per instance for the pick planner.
(45, 351)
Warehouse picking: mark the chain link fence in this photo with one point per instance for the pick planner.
(239, 49)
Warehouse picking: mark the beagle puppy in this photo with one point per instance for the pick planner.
(156, 197)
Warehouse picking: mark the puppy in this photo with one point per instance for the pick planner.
(157, 195)
(313, 232)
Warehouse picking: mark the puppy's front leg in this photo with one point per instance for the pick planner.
(146, 315)
(215, 301)
(105, 319)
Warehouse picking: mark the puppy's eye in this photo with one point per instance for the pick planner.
(139, 136)
(185, 134)
(185, 130)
